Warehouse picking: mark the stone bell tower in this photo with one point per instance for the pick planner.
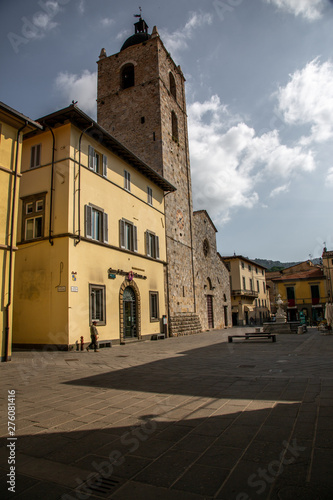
(141, 102)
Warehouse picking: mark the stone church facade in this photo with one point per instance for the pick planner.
(141, 102)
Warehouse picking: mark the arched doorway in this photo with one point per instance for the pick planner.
(130, 313)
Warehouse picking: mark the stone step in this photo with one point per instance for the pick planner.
(184, 324)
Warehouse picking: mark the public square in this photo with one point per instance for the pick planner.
(191, 417)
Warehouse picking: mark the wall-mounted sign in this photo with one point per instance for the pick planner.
(112, 276)
(130, 274)
(74, 288)
(61, 289)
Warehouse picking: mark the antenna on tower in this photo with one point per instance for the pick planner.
(139, 15)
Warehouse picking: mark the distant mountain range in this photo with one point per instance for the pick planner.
(277, 265)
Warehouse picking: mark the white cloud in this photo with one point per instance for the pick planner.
(81, 88)
(107, 22)
(278, 190)
(178, 40)
(308, 99)
(229, 162)
(309, 9)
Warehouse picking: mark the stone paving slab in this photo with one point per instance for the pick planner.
(183, 418)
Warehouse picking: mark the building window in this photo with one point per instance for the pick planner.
(258, 286)
(315, 294)
(174, 125)
(152, 245)
(172, 83)
(149, 196)
(243, 266)
(128, 235)
(97, 162)
(35, 156)
(256, 270)
(127, 76)
(244, 284)
(153, 305)
(127, 180)
(205, 248)
(250, 268)
(291, 296)
(97, 304)
(251, 284)
(33, 217)
(96, 223)
(264, 287)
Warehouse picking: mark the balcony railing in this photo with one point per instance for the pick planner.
(245, 293)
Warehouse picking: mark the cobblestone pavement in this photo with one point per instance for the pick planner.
(183, 418)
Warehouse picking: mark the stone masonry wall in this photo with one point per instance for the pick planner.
(210, 266)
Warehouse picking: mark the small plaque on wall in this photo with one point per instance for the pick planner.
(74, 288)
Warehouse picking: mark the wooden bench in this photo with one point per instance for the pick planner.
(157, 336)
(247, 336)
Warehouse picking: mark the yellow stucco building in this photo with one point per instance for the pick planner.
(12, 127)
(249, 296)
(91, 237)
(303, 290)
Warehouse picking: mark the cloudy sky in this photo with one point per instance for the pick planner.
(259, 83)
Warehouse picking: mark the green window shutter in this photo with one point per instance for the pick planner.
(147, 244)
(88, 221)
(105, 228)
(91, 157)
(157, 243)
(135, 239)
(105, 166)
(122, 233)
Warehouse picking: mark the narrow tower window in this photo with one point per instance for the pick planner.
(172, 83)
(174, 123)
(127, 76)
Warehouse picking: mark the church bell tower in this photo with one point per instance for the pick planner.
(141, 102)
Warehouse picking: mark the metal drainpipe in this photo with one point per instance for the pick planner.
(52, 185)
(79, 188)
(11, 250)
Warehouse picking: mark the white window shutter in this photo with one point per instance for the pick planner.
(88, 221)
(91, 157)
(105, 166)
(105, 228)
(135, 238)
(122, 233)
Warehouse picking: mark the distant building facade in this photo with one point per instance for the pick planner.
(327, 260)
(13, 125)
(249, 294)
(303, 289)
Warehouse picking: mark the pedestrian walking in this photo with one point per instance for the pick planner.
(93, 337)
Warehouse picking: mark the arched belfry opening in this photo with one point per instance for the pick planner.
(172, 84)
(127, 76)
